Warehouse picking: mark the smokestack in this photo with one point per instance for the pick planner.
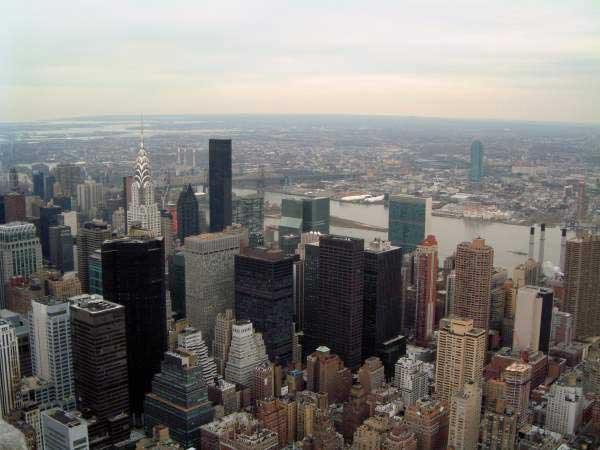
(542, 243)
(531, 243)
(563, 249)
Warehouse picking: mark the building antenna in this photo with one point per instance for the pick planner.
(142, 131)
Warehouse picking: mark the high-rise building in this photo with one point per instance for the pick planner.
(118, 220)
(210, 287)
(90, 196)
(382, 296)
(582, 278)
(39, 184)
(133, 276)
(166, 226)
(61, 248)
(142, 208)
(517, 379)
(90, 238)
(309, 311)
(428, 420)
(562, 327)
(19, 323)
(371, 374)
(67, 176)
(20, 253)
(474, 262)
(425, 267)
(64, 431)
(188, 220)
(460, 356)
(179, 398)
(177, 284)
(325, 372)
(14, 207)
(264, 295)
(95, 272)
(249, 212)
(263, 378)
(411, 379)
(465, 410)
(100, 367)
(304, 215)
(533, 319)
(222, 339)
(246, 352)
(341, 281)
(191, 340)
(409, 221)
(10, 373)
(476, 169)
(51, 351)
(564, 413)
(48, 218)
(219, 180)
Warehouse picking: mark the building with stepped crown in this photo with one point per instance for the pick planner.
(142, 208)
(191, 340)
(247, 351)
(411, 378)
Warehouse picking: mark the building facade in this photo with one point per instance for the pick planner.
(219, 180)
(188, 219)
(409, 221)
(89, 239)
(476, 169)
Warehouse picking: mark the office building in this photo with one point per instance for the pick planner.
(90, 197)
(39, 184)
(409, 221)
(10, 373)
(564, 413)
(71, 220)
(425, 268)
(19, 323)
(517, 386)
(411, 379)
(325, 373)
(304, 215)
(166, 227)
(67, 177)
(51, 349)
(474, 262)
(133, 276)
(533, 319)
(100, 367)
(14, 207)
(48, 218)
(90, 238)
(428, 420)
(246, 352)
(61, 248)
(177, 284)
(341, 281)
(309, 310)
(476, 169)
(222, 339)
(179, 399)
(582, 278)
(64, 431)
(20, 254)
(142, 208)
(562, 327)
(188, 219)
(118, 220)
(465, 409)
(382, 296)
(264, 295)
(210, 287)
(460, 356)
(95, 272)
(219, 181)
(62, 286)
(249, 212)
(191, 340)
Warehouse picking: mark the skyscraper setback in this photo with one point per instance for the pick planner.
(219, 167)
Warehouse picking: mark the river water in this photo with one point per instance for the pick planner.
(504, 238)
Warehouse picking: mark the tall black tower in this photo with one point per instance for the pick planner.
(133, 276)
(219, 183)
(188, 219)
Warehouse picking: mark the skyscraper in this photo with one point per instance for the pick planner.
(264, 295)
(133, 276)
(341, 282)
(10, 373)
(517, 387)
(476, 169)
(14, 207)
(210, 287)
(179, 398)
(310, 311)
(68, 176)
(177, 284)
(425, 264)
(246, 352)
(564, 414)
(95, 272)
(20, 253)
(219, 168)
(51, 353)
(249, 212)
(382, 296)
(188, 220)
(100, 367)
(61, 248)
(38, 184)
(142, 208)
(90, 196)
(582, 278)
(191, 340)
(474, 262)
(48, 218)
(411, 379)
(304, 215)
(465, 410)
(533, 319)
(460, 356)
(222, 339)
(409, 221)
(89, 239)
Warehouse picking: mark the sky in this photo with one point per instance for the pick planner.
(484, 59)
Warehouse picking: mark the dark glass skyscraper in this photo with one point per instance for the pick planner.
(476, 169)
(219, 183)
(264, 294)
(48, 218)
(133, 276)
(38, 184)
(177, 284)
(341, 281)
(61, 248)
(309, 313)
(188, 219)
(100, 367)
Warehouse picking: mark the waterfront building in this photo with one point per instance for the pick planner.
(409, 221)
(476, 171)
(249, 212)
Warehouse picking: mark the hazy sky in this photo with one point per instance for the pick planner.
(512, 59)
